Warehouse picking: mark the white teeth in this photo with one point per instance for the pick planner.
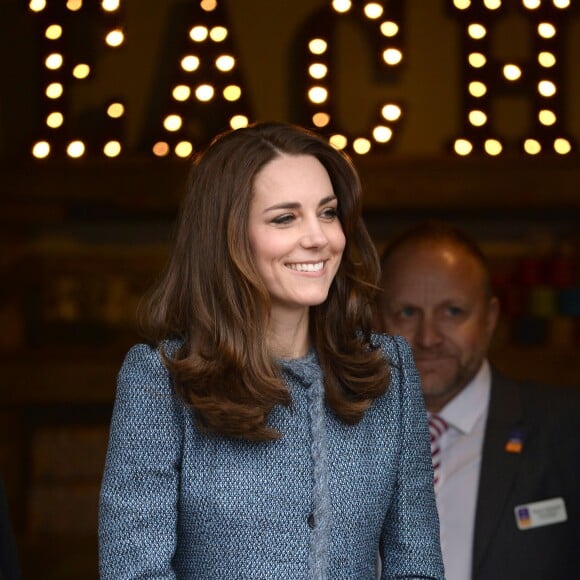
(307, 267)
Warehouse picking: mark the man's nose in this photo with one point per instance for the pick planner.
(428, 333)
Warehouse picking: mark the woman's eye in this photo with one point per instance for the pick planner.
(330, 213)
(283, 219)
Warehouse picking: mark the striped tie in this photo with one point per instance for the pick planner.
(437, 426)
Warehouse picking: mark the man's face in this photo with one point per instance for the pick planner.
(435, 296)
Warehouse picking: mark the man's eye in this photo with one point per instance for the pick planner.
(407, 312)
(454, 310)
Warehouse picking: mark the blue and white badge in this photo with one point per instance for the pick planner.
(541, 513)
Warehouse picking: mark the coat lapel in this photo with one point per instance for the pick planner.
(498, 466)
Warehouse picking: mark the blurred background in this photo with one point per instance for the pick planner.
(465, 110)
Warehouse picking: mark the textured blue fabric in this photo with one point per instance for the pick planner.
(308, 372)
(178, 504)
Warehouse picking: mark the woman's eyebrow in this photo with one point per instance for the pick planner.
(327, 199)
(296, 205)
(284, 205)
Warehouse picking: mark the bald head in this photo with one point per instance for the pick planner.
(428, 233)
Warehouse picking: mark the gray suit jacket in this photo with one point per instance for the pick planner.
(548, 466)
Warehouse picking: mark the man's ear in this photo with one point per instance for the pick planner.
(493, 310)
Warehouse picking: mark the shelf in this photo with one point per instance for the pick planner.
(143, 186)
(470, 184)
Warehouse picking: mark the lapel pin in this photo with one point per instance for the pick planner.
(515, 442)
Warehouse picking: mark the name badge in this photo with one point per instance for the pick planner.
(541, 513)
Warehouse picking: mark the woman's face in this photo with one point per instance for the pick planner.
(294, 231)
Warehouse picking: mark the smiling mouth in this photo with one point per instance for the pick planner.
(306, 267)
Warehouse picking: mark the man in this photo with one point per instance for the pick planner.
(507, 460)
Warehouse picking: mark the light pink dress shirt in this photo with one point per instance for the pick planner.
(461, 446)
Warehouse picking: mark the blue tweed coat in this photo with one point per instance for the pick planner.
(316, 504)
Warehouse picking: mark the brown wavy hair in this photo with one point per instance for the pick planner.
(213, 300)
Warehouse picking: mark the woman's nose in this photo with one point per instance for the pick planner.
(314, 235)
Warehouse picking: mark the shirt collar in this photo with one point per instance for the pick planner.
(470, 404)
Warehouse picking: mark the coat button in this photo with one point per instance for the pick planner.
(310, 521)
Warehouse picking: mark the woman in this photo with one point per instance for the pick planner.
(265, 432)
